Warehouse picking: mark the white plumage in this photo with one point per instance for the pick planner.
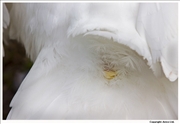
(97, 61)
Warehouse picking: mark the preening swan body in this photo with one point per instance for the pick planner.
(97, 61)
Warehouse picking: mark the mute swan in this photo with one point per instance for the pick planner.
(97, 60)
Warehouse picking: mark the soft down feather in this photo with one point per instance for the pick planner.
(74, 45)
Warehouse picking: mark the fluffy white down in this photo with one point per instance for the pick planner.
(72, 45)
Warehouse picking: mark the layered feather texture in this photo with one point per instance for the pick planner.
(73, 46)
(157, 23)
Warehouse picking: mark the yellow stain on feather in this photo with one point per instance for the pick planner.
(110, 74)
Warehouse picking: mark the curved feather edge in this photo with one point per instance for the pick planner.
(168, 71)
(38, 80)
(157, 24)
